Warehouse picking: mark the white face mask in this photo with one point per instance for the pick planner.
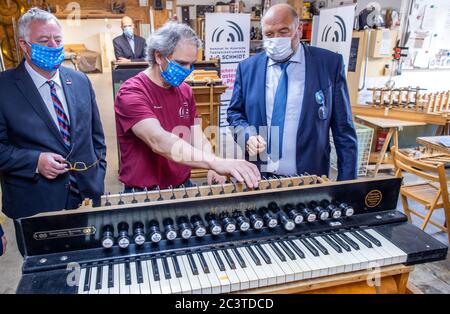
(278, 48)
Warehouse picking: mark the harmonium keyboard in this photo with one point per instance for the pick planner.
(223, 238)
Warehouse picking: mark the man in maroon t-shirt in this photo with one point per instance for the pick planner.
(155, 112)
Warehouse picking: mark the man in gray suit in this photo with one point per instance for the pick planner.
(52, 148)
(128, 46)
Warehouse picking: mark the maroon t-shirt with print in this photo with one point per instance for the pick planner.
(139, 98)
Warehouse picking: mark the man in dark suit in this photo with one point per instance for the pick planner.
(2, 242)
(49, 125)
(128, 46)
(299, 91)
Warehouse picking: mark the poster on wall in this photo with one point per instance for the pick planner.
(228, 39)
(334, 30)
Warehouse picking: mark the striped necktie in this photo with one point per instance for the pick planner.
(64, 129)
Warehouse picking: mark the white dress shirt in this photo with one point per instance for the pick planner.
(131, 42)
(44, 91)
(287, 165)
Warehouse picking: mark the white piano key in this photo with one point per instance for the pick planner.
(317, 266)
(248, 270)
(276, 270)
(270, 274)
(237, 282)
(286, 270)
(362, 261)
(398, 255)
(325, 259)
(163, 282)
(154, 285)
(225, 285)
(373, 255)
(186, 272)
(124, 289)
(209, 283)
(298, 271)
(92, 286)
(306, 270)
(134, 287)
(175, 284)
(334, 257)
(257, 269)
(104, 289)
(352, 262)
(116, 287)
(81, 281)
(145, 285)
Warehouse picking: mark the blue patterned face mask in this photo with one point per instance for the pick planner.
(175, 74)
(46, 58)
(128, 32)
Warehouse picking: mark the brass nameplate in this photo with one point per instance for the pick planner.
(64, 233)
(373, 198)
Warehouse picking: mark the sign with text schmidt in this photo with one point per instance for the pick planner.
(227, 37)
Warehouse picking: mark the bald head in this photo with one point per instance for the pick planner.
(280, 13)
(281, 20)
(127, 21)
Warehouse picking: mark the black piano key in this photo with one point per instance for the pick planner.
(349, 241)
(229, 259)
(277, 252)
(99, 277)
(341, 243)
(176, 267)
(155, 270)
(218, 260)
(318, 245)
(264, 255)
(140, 276)
(287, 250)
(192, 264)
(296, 249)
(87, 279)
(369, 237)
(253, 255)
(203, 263)
(361, 239)
(111, 275)
(166, 268)
(310, 247)
(127, 274)
(239, 258)
(333, 244)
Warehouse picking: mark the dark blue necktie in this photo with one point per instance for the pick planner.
(279, 108)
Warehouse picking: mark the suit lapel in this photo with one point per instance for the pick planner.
(127, 43)
(261, 71)
(31, 94)
(67, 85)
(311, 73)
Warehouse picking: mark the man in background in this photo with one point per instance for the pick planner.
(128, 46)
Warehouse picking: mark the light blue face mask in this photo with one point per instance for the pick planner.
(46, 58)
(128, 32)
(175, 74)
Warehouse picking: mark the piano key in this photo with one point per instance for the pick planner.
(81, 280)
(193, 280)
(127, 273)
(124, 288)
(398, 255)
(155, 287)
(262, 253)
(218, 260)
(349, 241)
(253, 255)
(309, 246)
(331, 243)
(228, 258)
(192, 263)
(99, 277)
(239, 258)
(277, 251)
(258, 269)
(166, 270)
(175, 283)
(286, 249)
(139, 274)
(104, 289)
(318, 268)
(265, 269)
(369, 237)
(296, 249)
(297, 271)
(145, 285)
(115, 289)
(211, 284)
(87, 279)
(336, 260)
(110, 275)
(225, 285)
(203, 263)
(155, 270)
(92, 288)
(276, 265)
(163, 281)
(374, 254)
(361, 239)
(244, 280)
(176, 266)
(339, 242)
(235, 283)
(318, 245)
(134, 286)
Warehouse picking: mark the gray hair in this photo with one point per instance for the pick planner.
(166, 38)
(33, 14)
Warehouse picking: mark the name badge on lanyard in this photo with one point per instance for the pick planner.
(320, 100)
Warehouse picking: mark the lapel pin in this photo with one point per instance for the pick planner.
(68, 82)
(320, 98)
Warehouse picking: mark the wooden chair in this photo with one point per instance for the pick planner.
(432, 193)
